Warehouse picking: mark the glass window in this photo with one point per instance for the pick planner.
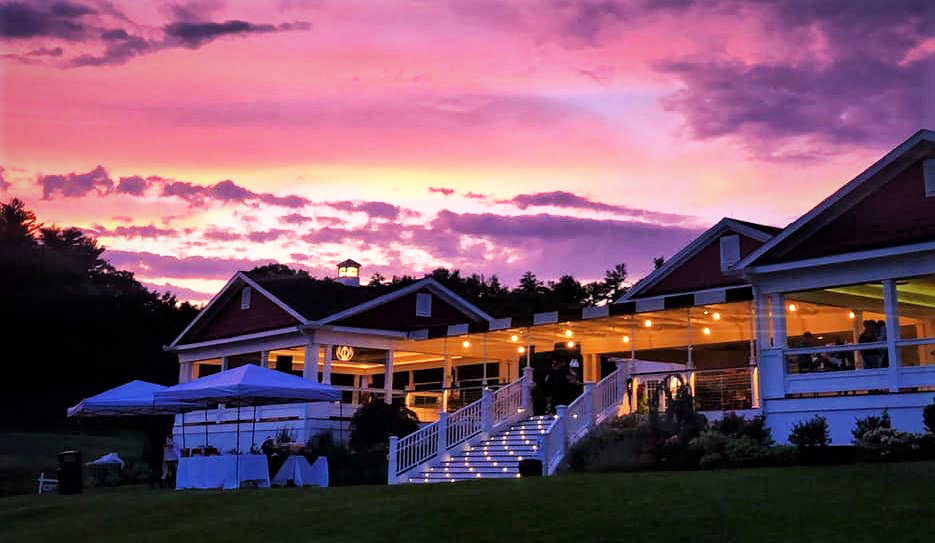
(835, 316)
(916, 303)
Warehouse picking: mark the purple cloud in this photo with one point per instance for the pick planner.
(149, 231)
(379, 210)
(442, 190)
(192, 267)
(75, 185)
(19, 20)
(216, 234)
(269, 235)
(866, 89)
(227, 192)
(568, 200)
(134, 185)
(181, 293)
(295, 218)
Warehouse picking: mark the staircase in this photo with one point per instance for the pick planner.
(487, 438)
(495, 457)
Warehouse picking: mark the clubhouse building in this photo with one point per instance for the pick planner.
(832, 315)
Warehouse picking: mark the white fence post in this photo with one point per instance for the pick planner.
(560, 419)
(487, 412)
(527, 390)
(391, 467)
(588, 404)
(442, 434)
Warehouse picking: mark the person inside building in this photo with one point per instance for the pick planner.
(871, 357)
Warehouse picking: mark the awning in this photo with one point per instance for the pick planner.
(133, 398)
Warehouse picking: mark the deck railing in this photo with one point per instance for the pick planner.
(495, 408)
(597, 402)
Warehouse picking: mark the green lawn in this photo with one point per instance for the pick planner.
(23, 455)
(883, 502)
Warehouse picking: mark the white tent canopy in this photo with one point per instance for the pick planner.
(250, 385)
(133, 398)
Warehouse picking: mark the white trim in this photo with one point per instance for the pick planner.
(272, 298)
(363, 331)
(844, 258)
(203, 311)
(840, 194)
(690, 250)
(428, 283)
(234, 339)
(546, 317)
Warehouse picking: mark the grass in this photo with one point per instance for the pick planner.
(854, 503)
(23, 455)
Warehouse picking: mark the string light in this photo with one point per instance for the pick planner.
(514, 338)
(626, 339)
(521, 349)
(648, 323)
(716, 316)
(851, 315)
(466, 344)
(793, 307)
(571, 344)
(706, 331)
(569, 333)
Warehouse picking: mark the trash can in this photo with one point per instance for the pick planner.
(69, 472)
(530, 467)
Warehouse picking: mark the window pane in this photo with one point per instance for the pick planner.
(917, 355)
(916, 299)
(835, 316)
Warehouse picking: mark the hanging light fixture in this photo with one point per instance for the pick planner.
(626, 339)
(570, 344)
(716, 316)
(851, 315)
(706, 331)
(466, 344)
(514, 338)
(569, 333)
(793, 307)
(648, 323)
(521, 349)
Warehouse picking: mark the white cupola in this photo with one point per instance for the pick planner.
(349, 273)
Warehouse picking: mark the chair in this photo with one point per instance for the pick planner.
(46, 485)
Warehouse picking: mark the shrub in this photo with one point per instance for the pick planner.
(869, 424)
(886, 443)
(811, 433)
(745, 452)
(609, 447)
(375, 422)
(928, 417)
(734, 425)
(783, 455)
(710, 442)
(711, 461)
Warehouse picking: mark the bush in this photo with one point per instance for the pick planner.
(375, 422)
(741, 452)
(885, 443)
(711, 461)
(783, 455)
(869, 424)
(344, 466)
(609, 447)
(811, 433)
(928, 417)
(734, 425)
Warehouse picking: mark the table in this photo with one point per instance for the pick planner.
(299, 471)
(222, 471)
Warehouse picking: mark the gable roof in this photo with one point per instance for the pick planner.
(919, 145)
(758, 232)
(321, 301)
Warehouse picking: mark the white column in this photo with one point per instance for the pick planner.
(310, 371)
(326, 372)
(688, 320)
(355, 396)
(391, 468)
(388, 378)
(225, 363)
(446, 384)
(892, 333)
(779, 321)
(486, 413)
(527, 389)
(185, 372)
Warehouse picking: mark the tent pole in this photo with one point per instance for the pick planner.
(237, 446)
(206, 428)
(253, 432)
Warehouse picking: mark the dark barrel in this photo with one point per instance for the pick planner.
(69, 472)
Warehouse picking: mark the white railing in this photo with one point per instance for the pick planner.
(414, 449)
(508, 404)
(608, 394)
(434, 440)
(464, 423)
(571, 423)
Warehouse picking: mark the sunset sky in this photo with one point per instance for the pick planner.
(197, 138)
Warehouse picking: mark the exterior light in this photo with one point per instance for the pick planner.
(626, 339)
(648, 323)
(793, 307)
(569, 333)
(706, 331)
(466, 344)
(514, 338)
(521, 349)
(570, 344)
(851, 315)
(716, 316)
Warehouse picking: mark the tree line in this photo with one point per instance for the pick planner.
(74, 325)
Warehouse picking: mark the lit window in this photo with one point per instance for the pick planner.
(423, 304)
(245, 297)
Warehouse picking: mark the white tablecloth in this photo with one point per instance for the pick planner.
(221, 471)
(298, 470)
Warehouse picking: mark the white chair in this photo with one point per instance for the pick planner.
(46, 485)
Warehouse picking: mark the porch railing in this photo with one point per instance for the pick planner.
(598, 402)
(432, 441)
